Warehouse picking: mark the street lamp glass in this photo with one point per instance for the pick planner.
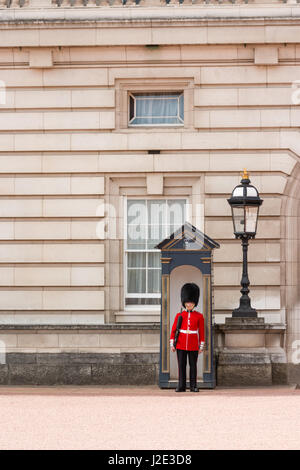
(238, 191)
(244, 219)
(251, 191)
(245, 202)
(238, 217)
(251, 213)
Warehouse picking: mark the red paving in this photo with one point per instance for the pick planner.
(137, 418)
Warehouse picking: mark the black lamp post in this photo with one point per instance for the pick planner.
(245, 202)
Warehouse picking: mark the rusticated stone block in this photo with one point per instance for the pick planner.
(138, 374)
(243, 358)
(128, 374)
(294, 374)
(47, 375)
(140, 358)
(3, 374)
(75, 375)
(23, 374)
(53, 358)
(239, 368)
(77, 358)
(280, 374)
(106, 374)
(244, 374)
(33, 374)
(21, 358)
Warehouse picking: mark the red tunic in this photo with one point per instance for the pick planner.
(191, 336)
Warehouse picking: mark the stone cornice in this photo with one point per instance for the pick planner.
(271, 327)
(112, 326)
(243, 24)
(129, 15)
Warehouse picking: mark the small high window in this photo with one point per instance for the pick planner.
(156, 109)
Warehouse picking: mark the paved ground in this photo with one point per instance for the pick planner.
(136, 418)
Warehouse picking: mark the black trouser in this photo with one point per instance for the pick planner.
(182, 359)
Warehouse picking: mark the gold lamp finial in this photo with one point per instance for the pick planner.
(245, 174)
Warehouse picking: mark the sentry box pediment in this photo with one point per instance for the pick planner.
(187, 237)
(186, 256)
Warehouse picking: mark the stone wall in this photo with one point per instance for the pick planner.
(91, 355)
(80, 369)
(63, 171)
(68, 158)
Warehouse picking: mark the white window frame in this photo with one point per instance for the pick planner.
(125, 251)
(178, 124)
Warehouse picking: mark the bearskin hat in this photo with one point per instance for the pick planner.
(190, 293)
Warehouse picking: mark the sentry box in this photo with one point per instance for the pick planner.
(186, 256)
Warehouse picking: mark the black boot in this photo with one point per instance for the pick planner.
(180, 389)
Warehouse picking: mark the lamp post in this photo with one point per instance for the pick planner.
(245, 202)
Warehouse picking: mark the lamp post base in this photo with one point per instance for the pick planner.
(249, 313)
(257, 322)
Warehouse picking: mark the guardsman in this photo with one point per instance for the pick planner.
(191, 338)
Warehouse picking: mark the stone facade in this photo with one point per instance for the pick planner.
(68, 159)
